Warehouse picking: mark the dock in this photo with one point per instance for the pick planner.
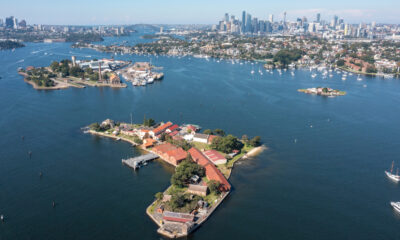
(137, 162)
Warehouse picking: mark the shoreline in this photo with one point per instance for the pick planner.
(252, 153)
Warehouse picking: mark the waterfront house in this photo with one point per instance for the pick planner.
(197, 190)
(148, 142)
(215, 157)
(173, 128)
(200, 137)
(170, 153)
(160, 129)
(212, 172)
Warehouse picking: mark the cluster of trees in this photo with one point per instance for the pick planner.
(214, 187)
(185, 171)
(254, 142)
(41, 77)
(148, 122)
(99, 128)
(63, 67)
(287, 56)
(180, 143)
(226, 144)
(217, 131)
(84, 37)
(10, 45)
(183, 203)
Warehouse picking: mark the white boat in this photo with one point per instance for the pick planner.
(359, 78)
(292, 73)
(390, 175)
(313, 75)
(396, 206)
(252, 72)
(344, 78)
(150, 80)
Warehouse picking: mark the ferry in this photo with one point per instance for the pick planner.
(396, 206)
(394, 177)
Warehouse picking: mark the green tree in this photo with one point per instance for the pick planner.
(255, 141)
(340, 63)
(226, 144)
(214, 187)
(208, 131)
(185, 171)
(219, 132)
(159, 196)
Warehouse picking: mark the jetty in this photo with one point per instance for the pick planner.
(136, 162)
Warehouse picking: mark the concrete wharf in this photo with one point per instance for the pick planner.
(137, 162)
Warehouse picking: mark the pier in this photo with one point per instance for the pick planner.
(136, 162)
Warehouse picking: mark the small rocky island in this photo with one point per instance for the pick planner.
(203, 163)
(75, 73)
(323, 91)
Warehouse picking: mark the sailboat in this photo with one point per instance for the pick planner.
(396, 206)
(394, 177)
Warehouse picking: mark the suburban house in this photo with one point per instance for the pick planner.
(212, 172)
(197, 190)
(149, 142)
(200, 137)
(173, 128)
(160, 129)
(215, 157)
(170, 153)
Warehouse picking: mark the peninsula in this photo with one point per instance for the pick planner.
(8, 44)
(75, 73)
(323, 91)
(203, 162)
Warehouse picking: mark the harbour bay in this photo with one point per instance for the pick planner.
(328, 184)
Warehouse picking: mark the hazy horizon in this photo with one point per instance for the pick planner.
(121, 12)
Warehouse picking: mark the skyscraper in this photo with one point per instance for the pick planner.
(10, 22)
(318, 17)
(243, 21)
(248, 23)
(271, 18)
(226, 17)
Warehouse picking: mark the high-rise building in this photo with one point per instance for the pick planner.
(318, 17)
(248, 23)
(226, 17)
(15, 23)
(22, 24)
(1, 22)
(10, 22)
(243, 21)
(284, 18)
(271, 18)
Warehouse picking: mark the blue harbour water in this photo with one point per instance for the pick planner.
(321, 178)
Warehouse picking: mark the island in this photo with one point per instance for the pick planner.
(203, 160)
(323, 91)
(141, 73)
(8, 44)
(75, 73)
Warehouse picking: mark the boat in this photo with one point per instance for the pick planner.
(292, 73)
(313, 75)
(396, 206)
(394, 177)
(344, 78)
(359, 78)
(252, 72)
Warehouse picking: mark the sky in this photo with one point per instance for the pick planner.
(99, 12)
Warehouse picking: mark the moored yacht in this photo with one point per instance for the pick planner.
(396, 206)
(394, 177)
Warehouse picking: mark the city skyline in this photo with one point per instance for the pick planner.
(205, 12)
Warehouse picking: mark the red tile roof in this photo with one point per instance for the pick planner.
(214, 155)
(173, 127)
(162, 128)
(212, 171)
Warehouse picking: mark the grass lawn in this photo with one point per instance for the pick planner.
(201, 146)
(210, 198)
